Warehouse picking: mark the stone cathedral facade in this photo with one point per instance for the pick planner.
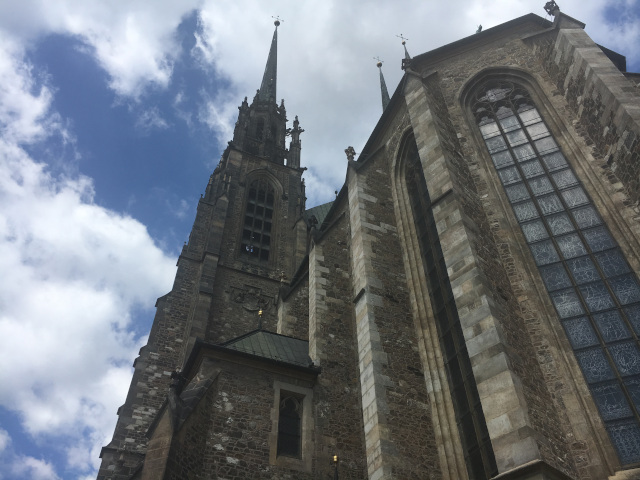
(467, 308)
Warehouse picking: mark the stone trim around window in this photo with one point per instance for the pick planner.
(305, 396)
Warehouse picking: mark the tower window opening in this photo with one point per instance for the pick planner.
(478, 452)
(256, 240)
(592, 287)
(259, 128)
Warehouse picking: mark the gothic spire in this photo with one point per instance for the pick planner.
(268, 86)
(407, 58)
(383, 87)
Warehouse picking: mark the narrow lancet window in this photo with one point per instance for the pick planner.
(290, 427)
(592, 287)
(258, 218)
(479, 455)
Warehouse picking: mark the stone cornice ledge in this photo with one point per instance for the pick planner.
(534, 470)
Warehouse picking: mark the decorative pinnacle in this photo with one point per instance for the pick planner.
(277, 21)
(383, 86)
(551, 7)
(407, 57)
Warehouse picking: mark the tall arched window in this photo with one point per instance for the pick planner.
(290, 427)
(593, 289)
(479, 455)
(258, 218)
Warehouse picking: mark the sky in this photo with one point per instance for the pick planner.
(113, 114)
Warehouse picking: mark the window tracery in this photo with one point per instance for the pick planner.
(591, 285)
(258, 220)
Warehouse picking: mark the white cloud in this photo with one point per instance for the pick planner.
(77, 271)
(151, 119)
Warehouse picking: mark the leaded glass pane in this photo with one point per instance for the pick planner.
(516, 137)
(626, 356)
(594, 365)
(599, 239)
(502, 159)
(611, 401)
(538, 130)
(517, 193)
(564, 178)
(575, 197)
(625, 436)
(586, 217)
(509, 123)
(555, 277)
(612, 262)
(524, 152)
(633, 385)
(571, 246)
(495, 144)
(583, 270)
(540, 186)
(560, 224)
(580, 333)
(554, 161)
(633, 314)
(611, 326)
(532, 169)
(626, 289)
(567, 303)
(544, 253)
(529, 116)
(525, 211)
(550, 204)
(509, 175)
(534, 231)
(545, 145)
(597, 296)
(489, 130)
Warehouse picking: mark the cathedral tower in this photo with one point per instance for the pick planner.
(240, 248)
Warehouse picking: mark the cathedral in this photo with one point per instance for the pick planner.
(467, 308)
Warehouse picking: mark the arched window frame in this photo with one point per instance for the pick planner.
(423, 241)
(472, 98)
(258, 228)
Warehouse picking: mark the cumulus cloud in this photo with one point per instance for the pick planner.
(77, 272)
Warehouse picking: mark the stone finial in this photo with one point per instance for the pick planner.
(351, 153)
(551, 7)
(479, 29)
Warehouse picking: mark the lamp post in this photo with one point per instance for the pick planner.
(335, 467)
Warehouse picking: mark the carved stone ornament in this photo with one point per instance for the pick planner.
(551, 7)
(251, 298)
(351, 153)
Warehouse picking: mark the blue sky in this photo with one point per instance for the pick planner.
(113, 116)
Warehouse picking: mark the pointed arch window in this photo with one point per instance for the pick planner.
(258, 220)
(290, 427)
(479, 455)
(595, 293)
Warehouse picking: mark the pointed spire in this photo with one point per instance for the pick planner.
(383, 86)
(268, 86)
(407, 58)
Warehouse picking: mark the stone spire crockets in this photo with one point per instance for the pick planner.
(383, 87)
(268, 86)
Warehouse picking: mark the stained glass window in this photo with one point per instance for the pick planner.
(479, 455)
(592, 287)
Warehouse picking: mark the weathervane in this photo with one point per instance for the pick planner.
(379, 64)
(404, 39)
(278, 20)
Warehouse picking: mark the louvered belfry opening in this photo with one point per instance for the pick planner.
(258, 221)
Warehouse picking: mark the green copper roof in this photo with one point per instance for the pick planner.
(268, 86)
(272, 346)
(320, 212)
